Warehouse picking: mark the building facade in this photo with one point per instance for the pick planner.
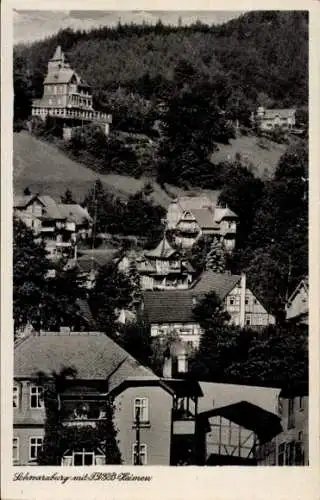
(291, 446)
(67, 96)
(297, 305)
(58, 225)
(163, 268)
(166, 409)
(189, 218)
(159, 420)
(171, 312)
(269, 119)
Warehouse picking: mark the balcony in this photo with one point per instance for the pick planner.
(85, 115)
(82, 414)
(187, 229)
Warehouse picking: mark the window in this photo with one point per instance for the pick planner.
(36, 396)
(281, 454)
(141, 408)
(300, 436)
(301, 403)
(15, 449)
(83, 458)
(248, 321)
(141, 458)
(291, 419)
(35, 445)
(16, 396)
(290, 449)
(182, 363)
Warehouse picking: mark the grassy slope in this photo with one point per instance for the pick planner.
(264, 160)
(45, 169)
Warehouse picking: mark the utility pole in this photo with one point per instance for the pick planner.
(289, 276)
(94, 215)
(137, 453)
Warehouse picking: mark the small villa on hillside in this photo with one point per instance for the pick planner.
(268, 119)
(67, 97)
(190, 217)
(58, 225)
(162, 268)
(171, 311)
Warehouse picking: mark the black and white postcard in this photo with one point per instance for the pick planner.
(160, 250)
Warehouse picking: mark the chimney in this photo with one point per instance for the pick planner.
(242, 299)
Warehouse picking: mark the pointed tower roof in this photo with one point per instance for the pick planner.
(164, 250)
(58, 55)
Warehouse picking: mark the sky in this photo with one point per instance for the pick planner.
(31, 25)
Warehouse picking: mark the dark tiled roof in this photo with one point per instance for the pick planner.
(220, 283)
(265, 424)
(164, 250)
(204, 218)
(176, 306)
(168, 306)
(94, 355)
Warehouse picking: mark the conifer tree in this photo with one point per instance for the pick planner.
(136, 292)
(216, 257)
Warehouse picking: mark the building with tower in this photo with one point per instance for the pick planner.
(68, 97)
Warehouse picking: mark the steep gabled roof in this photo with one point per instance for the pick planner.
(282, 113)
(168, 306)
(264, 423)
(163, 250)
(94, 355)
(204, 218)
(22, 201)
(220, 283)
(60, 76)
(74, 212)
(176, 306)
(200, 201)
(217, 395)
(303, 284)
(224, 213)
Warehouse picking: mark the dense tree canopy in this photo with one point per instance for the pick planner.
(137, 216)
(259, 52)
(112, 292)
(44, 302)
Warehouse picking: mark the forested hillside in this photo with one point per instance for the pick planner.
(262, 57)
